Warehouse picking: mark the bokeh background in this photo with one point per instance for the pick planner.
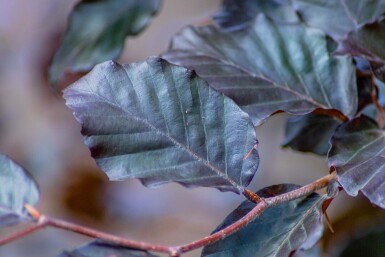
(38, 131)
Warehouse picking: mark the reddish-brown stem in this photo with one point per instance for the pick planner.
(23, 233)
(175, 251)
(106, 237)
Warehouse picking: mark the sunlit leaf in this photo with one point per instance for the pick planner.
(279, 231)
(17, 188)
(239, 14)
(358, 155)
(310, 133)
(102, 249)
(161, 123)
(96, 33)
(338, 17)
(269, 68)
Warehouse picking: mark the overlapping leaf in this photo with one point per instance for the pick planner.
(239, 14)
(357, 154)
(102, 249)
(310, 133)
(269, 68)
(338, 17)
(97, 31)
(279, 231)
(17, 188)
(162, 123)
(367, 42)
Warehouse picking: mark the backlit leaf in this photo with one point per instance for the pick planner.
(102, 249)
(279, 231)
(17, 188)
(162, 123)
(310, 133)
(96, 33)
(338, 17)
(357, 154)
(239, 14)
(269, 68)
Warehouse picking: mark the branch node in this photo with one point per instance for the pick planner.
(35, 214)
(253, 196)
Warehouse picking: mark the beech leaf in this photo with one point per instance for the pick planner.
(279, 231)
(367, 42)
(102, 249)
(96, 33)
(310, 133)
(338, 17)
(240, 14)
(161, 123)
(357, 154)
(17, 188)
(269, 68)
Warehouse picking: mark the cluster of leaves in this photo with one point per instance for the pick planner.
(190, 116)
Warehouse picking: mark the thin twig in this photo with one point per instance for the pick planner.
(174, 251)
(23, 233)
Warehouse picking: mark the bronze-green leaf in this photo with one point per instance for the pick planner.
(17, 188)
(96, 33)
(162, 123)
(279, 231)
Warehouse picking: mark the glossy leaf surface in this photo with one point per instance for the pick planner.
(338, 17)
(17, 188)
(96, 33)
(310, 133)
(101, 249)
(279, 231)
(269, 68)
(162, 123)
(240, 14)
(357, 153)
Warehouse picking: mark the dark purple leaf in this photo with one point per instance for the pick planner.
(310, 133)
(358, 155)
(338, 17)
(240, 14)
(269, 68)
(161, 123)
(102, 249)
(279, 231)
(17, 188)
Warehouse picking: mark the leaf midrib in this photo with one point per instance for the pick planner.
(173, 140)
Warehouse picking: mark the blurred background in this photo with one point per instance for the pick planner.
(39, 132)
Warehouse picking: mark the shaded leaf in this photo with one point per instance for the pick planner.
(269, 68)
(337, 18)
(367, 42)
(161, 123)
(96, 33)
(370, 243)
(315, 251)
(17, 188)
(357, 154)
(102, 249)
(239, 14)
(310, 133)
(280, 230)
